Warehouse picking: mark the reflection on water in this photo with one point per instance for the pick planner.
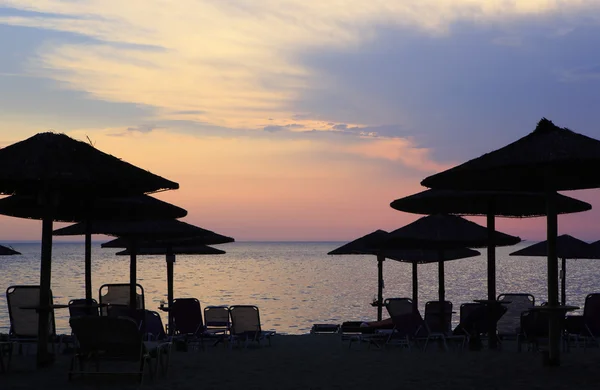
(293, 284)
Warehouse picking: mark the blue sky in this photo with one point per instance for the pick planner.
(321, 95)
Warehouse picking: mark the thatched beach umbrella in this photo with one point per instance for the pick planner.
(442, 232)
(567, 247)
(48, 166)
(6, 251)
(170, 252)
(76, 209)
(367, 245)
(136, 232)
(549, 159)
(489, 204)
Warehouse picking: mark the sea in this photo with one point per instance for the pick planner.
(294, 284)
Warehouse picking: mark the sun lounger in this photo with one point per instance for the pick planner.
(81, 307)
(216, 318)
(591, 320)
(438, 322)
(246, 327)
(188, 326)
(116, 296)
(23, 321)
(509, 326)
(325, 328)
(112, 339)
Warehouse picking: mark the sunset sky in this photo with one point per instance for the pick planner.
(299, 119)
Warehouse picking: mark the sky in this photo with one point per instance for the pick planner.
(299, 119)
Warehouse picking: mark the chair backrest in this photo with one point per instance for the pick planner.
(118, 294)
(79, 307)
(216, 317)
(438, 316)
(187, 315)
(153, 325)
(398, 306)
(244, 319)
(591, 313)
(510, 322)
(108, 337)
(24, 322)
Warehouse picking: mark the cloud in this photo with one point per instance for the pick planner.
(143, 128)
(230, 63)
(580, 74)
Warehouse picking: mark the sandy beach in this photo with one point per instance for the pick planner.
(325, 362)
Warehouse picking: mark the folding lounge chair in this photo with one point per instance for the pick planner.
(24, 322)
(188, 325)
(509, 326)
(106, 339)
(438, 322)
(406, 322)
(591, 320)
(153, 330)
(216, 319)
(245, 326)
(475, 320)
(116, 297)
(79, 308)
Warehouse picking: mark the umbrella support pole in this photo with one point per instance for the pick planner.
(415, 288)
(553, 358)
(442, 290)
(170, 264)
(563, 281)
(491, 274)
(88, 261)
(380, 260)
(132, 274)
(43, 358)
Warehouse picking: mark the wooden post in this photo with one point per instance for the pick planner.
(441, 291)
(380, 260)
(491, 273)
(43, 358)
(132, 274)
(552, 231)
(563, 282)
(415, 288)
(170, 264)
(88, 261)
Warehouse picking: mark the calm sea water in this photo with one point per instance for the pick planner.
(294, 284)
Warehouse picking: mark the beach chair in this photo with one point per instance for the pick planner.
(509, 326)
(80, 307)
(24, 322)
(245, 326)
(438, 324)
(406, 323)
(106, 339)
(216, 318)
(6, 348)
(591, 320)
(475, 321)
(116, 298)
(153, 330)
(534, 326)
(188, 325)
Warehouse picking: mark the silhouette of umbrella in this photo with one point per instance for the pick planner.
(171, 251)
(134, 232)
(489, 204)
(549, 159)
(367, 245)
(567, 247)
(6, 251)
(75, 209)
(49, 166)
(444, 232)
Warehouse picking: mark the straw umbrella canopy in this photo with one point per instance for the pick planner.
(134, 232)
(549, 159)
(567, 247)
(75, 209)
(367, 245)
(6, 251)
(489, 204)
(442, 232)
(49, 166)
(170, 252)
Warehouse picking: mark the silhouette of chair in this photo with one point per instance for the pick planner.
(80, 307)
(112, 339)
(509, 326)
(246, 327)
(406, 322)
(188, 325)
(116, 296)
